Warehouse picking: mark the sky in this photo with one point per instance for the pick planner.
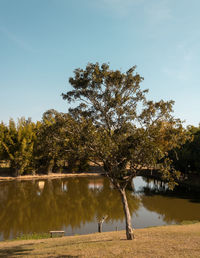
(43, 41)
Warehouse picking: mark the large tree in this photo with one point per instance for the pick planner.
(120, 128)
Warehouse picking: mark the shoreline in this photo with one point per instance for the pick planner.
(50, 176)
(192, 182)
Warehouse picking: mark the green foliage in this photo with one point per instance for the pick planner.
(51, 141)
(46, 146)
(58, 144)
(77, 133)
(33, 236)
(120, 128)
(17, 142)
(188, 222)
(186, 159)
(3, 131)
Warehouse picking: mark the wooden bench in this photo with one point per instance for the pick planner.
(57, 233)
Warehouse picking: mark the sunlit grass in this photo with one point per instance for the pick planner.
(168, 241)
(33, 236)
(187, 222)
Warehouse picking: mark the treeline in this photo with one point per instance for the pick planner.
(42, 147)
(187, 158)
(56, 143)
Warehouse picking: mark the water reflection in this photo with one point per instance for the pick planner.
(40, 206)
(75, 204)
(174, 206)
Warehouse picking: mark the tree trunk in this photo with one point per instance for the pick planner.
(59, 170)
(16, 172)
(129, 230)
(100, 227)
(100, 223)
(33, 172)
(50, 166)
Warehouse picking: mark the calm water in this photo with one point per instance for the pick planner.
(74, 204)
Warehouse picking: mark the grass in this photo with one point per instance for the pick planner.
(167, 241)
(186, 222)
(33, 236)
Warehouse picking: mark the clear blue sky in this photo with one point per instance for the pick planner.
(43, 41)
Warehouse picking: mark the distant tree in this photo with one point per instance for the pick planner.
(17, 143)
(57, 146)
(2, 135)
(120, 129)
(3, 130)
(186, 159)
(77, 157)
(51, 139)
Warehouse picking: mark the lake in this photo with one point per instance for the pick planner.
(75, 205)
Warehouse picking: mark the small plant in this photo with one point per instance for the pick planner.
(186, 222)
(33, 236)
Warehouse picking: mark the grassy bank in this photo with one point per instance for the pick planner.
(49, 176)
(167, 241)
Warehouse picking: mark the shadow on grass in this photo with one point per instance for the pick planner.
(90, 242)
(24, 252)
(16, 250)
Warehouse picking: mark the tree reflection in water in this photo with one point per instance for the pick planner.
(40, 206)
(174, 206)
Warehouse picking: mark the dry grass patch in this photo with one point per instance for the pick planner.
(167, 241)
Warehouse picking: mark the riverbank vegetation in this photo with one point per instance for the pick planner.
(24, 152)
(43, 147)
(28, 148)
(186, 159)
(167, 241)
